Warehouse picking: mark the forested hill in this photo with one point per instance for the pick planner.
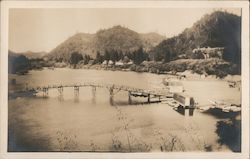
(116, 38)
(219, 29)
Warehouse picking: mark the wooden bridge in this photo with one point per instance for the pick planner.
(113, 89)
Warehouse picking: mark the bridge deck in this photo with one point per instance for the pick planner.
(143, 92)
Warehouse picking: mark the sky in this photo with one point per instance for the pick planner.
(43, 29)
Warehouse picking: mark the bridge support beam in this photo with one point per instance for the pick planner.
(45, 92)
(76, 94)
(129, 97)
(111, 95)
(93, 91)
(148, 98)
(94, 94)
(60, 90)
(111, 92)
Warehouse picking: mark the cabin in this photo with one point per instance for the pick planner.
(130, 63)
(119, 63)
(105, 62)
(110, 62)
(184, 100)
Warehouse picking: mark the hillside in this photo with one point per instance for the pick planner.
(79, 42)
(116, 38)
(150, 40)
(219, 29)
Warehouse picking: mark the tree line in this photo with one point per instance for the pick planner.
(137, 56)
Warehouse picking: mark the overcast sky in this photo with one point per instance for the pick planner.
(44, 29)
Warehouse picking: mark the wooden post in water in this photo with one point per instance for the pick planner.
(93, 94)
(148, 98)
(129, 97)
(76, 93)
(93, 91)
(111, 94)
(60, 90)
(111, 91)
(45, 92)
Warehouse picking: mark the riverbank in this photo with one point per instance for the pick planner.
(202, 67)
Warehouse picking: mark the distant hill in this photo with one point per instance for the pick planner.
(79, 42)
(116, 38)
(151, 39)
(33, 55)
(219, 29)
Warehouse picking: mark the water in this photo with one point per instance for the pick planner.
(91, 122)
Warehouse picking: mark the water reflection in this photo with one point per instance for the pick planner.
(229, 132)
(60, 98)
(21, 140)
(218, 113)
(185, 112)
(94, 95)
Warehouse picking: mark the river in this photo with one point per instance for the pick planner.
(91, 122)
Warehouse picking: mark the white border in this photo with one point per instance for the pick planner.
(6, 5)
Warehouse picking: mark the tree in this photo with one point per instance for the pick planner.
(75, 57)
(139, 56)
(120, 55)
(106, 55)
(19, 63)
(99, 58)
(86, 59)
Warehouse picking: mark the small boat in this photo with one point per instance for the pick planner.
(225, 106)
(184, 100)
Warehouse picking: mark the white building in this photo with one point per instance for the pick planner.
(119, 63)
(110, 62)
(209, 52)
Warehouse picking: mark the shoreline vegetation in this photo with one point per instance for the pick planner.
(213, 67)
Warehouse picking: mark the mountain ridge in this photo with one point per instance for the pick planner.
(115, 38)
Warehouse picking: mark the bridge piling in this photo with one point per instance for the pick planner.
(129, 97)
(45, 92)
(94, 94)
(148, 98)
(93, 91)
(111, 91)
(60, 90)
(76, 94)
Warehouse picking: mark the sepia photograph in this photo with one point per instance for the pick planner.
(125, 79)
